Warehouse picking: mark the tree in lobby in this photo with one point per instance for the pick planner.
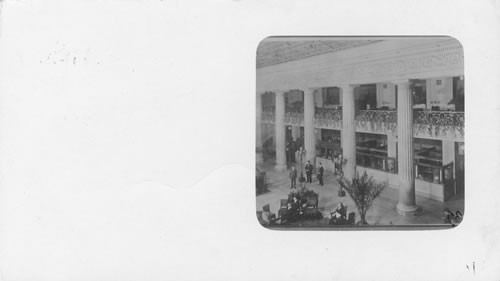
(363, 191)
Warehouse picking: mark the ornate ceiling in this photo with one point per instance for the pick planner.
(275, 51)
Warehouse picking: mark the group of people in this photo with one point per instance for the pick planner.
(309, 171)
(301, 203)
(292, 211)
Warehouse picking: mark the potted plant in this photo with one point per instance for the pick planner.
(363, 191)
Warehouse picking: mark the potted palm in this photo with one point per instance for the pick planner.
(363, 191)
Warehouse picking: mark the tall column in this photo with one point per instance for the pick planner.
(309, 134)
(406, 204)
(258, 134)
(348, 131)
(280, 131)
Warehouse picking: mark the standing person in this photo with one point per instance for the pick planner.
(297, 155)
(293, 177)
(309, 171)
(320, 174)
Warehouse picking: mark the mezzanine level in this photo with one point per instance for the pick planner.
(426, 123)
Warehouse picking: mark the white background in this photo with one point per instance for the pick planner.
(127, 135)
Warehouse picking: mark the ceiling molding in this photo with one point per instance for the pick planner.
(382, 62)
(272, 52)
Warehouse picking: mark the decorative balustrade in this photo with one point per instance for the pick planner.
(328, 118)
(295, 118)
(268, 116)
(295, 109)
(427, 124)
(378, 121)
(439, 124)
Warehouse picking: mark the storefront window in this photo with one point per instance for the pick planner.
(428, 161)
(329, 144)
(371, 152)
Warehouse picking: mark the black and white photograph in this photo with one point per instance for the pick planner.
(360, 131)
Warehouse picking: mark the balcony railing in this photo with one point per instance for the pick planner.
(427, 124)
(329, 118)
(295, 109)
(268, 116)
(295, 118)
(439, 124)
(381, 121)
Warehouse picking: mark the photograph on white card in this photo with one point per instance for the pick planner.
(356, 132)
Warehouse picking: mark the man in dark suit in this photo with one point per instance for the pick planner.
(320, 173)
(309, 171)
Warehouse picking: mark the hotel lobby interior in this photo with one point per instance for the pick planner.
(391, 108)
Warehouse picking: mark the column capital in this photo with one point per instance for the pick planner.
(309, 90)
(279, 92)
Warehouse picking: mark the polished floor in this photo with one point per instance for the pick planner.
(382, 213)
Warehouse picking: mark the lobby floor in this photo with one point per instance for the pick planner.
(382, 213)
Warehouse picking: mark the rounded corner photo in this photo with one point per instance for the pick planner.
(360, 132)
